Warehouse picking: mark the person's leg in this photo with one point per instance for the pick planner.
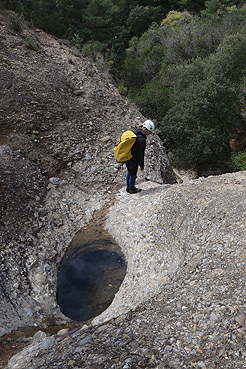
(132, 169)
(132, 181)
(127, 180)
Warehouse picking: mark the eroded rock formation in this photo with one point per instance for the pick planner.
(182, 303)
(62, 117)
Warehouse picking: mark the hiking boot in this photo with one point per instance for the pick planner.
(134, 190)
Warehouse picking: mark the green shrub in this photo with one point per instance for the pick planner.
(133, 73)
(175, 18)
(16, 22)
(205, 105)
(92, 49)
(141, 17)
(122, 90)
(192, 144)
(230, 58)
(166, 45)
(217, 7)
(153, 100)
(212, 7)
(239, 160)
(31, 44)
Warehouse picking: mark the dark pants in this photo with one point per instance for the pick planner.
(132, 169)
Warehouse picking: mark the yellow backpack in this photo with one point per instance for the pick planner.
(122, 150)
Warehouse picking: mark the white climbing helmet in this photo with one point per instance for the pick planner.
(149, 125)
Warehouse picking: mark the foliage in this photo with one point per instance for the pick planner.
(230, 59)
(189, 76)
(194, 146)
(144, 57)
(133, 70)
(173, 45)
(15, 5)
(99, 21)
(122, 90)
(174, 18)
(141, 17)
(153, 100)
(192, 5)
(205, 106)
(217, 7)
(239, 160)
(31, 44)
(92, 49)
(137, 21)
(183, 68)
(15, 21)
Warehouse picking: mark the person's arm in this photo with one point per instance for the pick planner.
(140, 155)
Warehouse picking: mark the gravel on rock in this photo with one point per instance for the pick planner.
(182, 304)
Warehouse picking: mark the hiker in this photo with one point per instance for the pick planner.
(137, 151)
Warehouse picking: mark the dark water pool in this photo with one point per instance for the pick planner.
(90, 274)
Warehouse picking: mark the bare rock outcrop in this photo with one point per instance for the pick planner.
(186, 263)
(61, 116)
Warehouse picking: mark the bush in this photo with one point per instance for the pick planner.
(175, 18)
(212, 7)
(205, 101)
(31, 44)
(141, 17)
(16, 22)
(167, 44)
(92, 49)
(153, 100)
(134, 73)
(194, 146)
(230, 59)
(239, 160)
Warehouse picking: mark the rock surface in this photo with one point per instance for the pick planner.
(60, 118)
(182, 303)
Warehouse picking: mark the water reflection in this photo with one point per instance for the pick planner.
(89, 276)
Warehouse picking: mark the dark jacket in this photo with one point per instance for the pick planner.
(138, 149)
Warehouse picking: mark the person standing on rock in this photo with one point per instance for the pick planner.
(138, 150)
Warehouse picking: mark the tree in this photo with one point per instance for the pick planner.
(141, 17)
(205, 107)
(101, 22)
(153, 100)
(174, 18)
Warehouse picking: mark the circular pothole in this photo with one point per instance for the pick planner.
(90, 274)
